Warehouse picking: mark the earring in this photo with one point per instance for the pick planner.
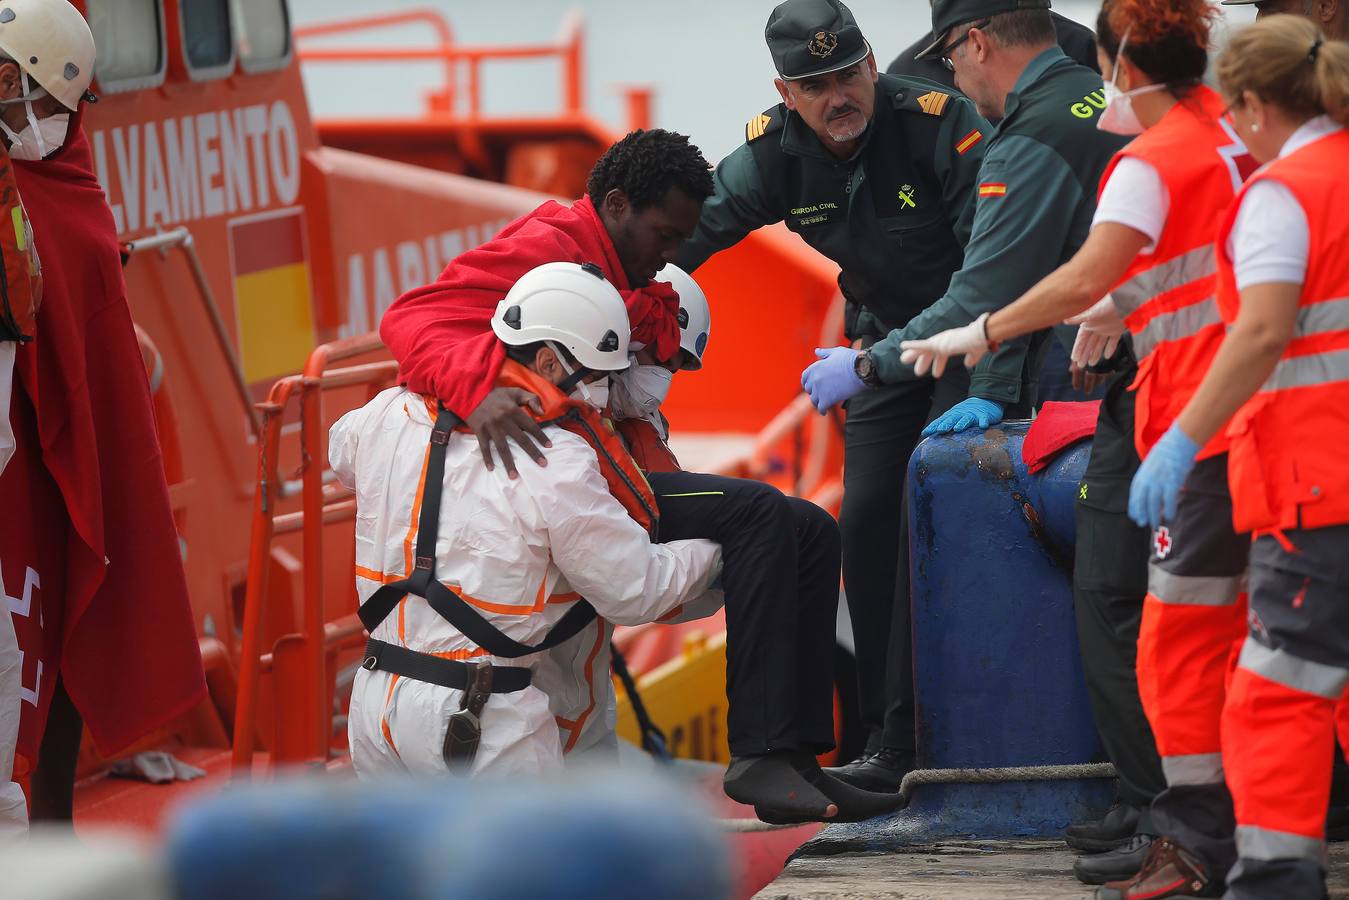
(1255, 127)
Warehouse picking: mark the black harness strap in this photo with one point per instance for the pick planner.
(447, 604)
(450, 673)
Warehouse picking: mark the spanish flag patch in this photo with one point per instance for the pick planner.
(968, 141)
(933, 102)
(992, 189)
(756, 127)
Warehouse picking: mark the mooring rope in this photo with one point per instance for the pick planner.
(954, 776)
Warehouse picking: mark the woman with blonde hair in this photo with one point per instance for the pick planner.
(1282, 378)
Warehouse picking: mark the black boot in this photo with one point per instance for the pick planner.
(881, 772)
(1109, 833)
(1115, 865)
(776, 788)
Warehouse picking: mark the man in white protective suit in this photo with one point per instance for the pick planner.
(466, 575)
(587, 712)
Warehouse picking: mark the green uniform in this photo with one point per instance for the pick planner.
(1036, 197)
(895, 216)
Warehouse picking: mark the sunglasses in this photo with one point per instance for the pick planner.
(950, 48)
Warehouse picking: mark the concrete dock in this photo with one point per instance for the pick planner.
(961, 870)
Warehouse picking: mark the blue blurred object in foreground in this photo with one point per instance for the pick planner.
(590, 835)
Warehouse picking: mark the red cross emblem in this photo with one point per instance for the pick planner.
(1161, 542)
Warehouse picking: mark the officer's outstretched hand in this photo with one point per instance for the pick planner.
(1156, 489)
(970, 340)
(972, 412)
(833, 379)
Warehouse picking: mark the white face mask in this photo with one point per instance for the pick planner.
(42, 137)
(1119, 116)
(640, 390)
(596, 393)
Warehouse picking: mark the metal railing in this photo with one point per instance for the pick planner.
(300, 660)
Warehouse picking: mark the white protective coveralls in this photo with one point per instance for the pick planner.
(13, 807)
(521, 552)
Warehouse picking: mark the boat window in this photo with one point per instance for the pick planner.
(206, 38)
(262, 32)
(129, 35)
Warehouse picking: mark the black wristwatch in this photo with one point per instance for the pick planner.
(864, 365)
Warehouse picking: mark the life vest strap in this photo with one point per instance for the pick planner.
(448, 604)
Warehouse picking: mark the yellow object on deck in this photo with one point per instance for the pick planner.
(686, 697)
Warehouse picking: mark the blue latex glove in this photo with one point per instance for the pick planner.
(1156, 487)
(833, 379)
(968, 413)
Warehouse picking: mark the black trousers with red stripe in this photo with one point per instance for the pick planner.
(781, 575)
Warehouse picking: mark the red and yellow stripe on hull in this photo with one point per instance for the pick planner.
(272, 295)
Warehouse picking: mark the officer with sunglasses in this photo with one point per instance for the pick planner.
(1034, 203)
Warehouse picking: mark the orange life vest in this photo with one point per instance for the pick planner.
(1168, 296)
(1286, 467)
(644, 442)
(626, 481)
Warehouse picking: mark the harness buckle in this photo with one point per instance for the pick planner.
(440, 437)
(424, 562)
(369, 663)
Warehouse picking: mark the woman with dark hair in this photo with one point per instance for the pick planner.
(1151, 248)
(1282, 379)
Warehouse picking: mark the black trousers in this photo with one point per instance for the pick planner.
(780, 573)
(1110, 579)
(882, 429)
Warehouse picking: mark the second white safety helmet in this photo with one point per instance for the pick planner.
(568, 304)
(695, 316)
(51, 42)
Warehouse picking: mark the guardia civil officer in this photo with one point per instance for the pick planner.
(878, 173)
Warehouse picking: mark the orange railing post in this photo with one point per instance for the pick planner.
(299, 661)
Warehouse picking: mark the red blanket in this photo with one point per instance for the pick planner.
(115, 621)
(1057, 426)
(441, 334)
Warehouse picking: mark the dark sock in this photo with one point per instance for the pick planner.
(774, 786)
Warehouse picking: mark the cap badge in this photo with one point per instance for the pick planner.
(823, 44)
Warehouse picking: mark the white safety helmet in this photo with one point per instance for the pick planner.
(52, 44)
(695, 316)
(568, 304)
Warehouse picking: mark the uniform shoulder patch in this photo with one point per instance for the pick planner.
(933, 103)
(758, 126)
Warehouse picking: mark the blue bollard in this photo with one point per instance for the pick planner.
(590, 835)
(998, 678)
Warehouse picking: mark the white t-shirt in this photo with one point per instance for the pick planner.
(1136, 196)
(1270, 240)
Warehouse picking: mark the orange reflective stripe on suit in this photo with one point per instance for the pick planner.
(1168, 296)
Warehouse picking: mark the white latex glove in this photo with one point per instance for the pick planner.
(1098, 333)
(932, 353)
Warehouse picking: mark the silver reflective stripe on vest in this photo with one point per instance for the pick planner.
(1195, 590)
(1183, 269)
(1282, 667)
(1254, 842)
(1315, 368)
(1319, 318)
(1197, 768)
(1174, 326)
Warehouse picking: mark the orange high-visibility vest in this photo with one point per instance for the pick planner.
(1287, 465)
(1168, 296)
